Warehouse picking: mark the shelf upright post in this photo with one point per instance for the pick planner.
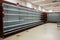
(1, 19)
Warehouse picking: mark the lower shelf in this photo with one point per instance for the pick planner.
(27, 26)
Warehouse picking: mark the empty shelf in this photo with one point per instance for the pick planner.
(13, 21)
(18, 24)
(21, 14)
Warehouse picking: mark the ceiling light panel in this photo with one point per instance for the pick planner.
(34, 1)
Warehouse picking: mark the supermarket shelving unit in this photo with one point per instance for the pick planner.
(18, 18)
(44, 17)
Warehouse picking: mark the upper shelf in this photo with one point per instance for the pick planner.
(19, 10)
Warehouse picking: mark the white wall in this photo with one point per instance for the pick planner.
(13, 1)
(23, 3)
(17, 1)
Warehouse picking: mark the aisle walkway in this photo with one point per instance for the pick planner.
(46, 31)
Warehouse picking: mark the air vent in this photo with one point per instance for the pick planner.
(56, 1)
(56, 5)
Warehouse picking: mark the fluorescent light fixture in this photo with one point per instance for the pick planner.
(44, 10)
(50, 11)
(29, 5)
(37, 1)
(40, 8)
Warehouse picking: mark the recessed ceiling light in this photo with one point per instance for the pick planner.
(38, 1)
(42, 0)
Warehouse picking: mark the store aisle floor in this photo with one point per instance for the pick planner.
(46, 31)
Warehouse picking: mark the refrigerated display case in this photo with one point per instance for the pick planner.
(18, 18)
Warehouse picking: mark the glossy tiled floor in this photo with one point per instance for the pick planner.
(46, 31)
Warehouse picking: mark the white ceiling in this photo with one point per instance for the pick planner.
(47, 4)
